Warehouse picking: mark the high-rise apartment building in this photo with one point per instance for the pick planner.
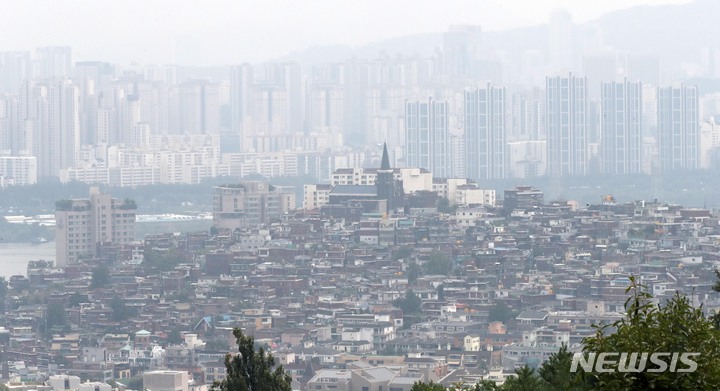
(52, 62)
(643, 67)
(154, 105)
(58, 133)
(560, 41)
(199, 107)
(128, 119)
(566, 125)
(456, 149)
(15, 67)
(527, 115)
(83, 223)
(599, 68)
(9, 124)
(277, 104)
(355, 82)
(292, 84)
(462, 45)
(485, 131)
(326, 108)
(621, 141)
(678, 128)
(527, 159)
(269, 105)
(427, 136)
(241, 80)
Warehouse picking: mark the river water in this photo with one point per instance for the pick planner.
(14, 257)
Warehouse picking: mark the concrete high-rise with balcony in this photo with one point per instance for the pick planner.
(621, 142)
(83, 223)
(427, 137)
(678, 128)
(485, 131)
(566, 125)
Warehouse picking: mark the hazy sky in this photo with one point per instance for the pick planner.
(225, 32)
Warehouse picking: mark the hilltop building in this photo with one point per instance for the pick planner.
(380, 193)
(250, 203)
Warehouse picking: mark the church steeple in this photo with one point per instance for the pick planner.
(385, 164)
(386, 181)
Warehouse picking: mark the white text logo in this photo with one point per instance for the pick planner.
(634, 362)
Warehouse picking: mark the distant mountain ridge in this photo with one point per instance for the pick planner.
(675, 33)
(667, 30)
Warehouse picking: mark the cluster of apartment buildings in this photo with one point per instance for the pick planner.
(607, 112)
(186, 159)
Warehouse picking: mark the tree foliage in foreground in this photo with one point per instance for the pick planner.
(252, 370)
(553, 375)
(674, 327)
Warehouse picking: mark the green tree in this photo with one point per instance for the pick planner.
(402, 253)
(413, 272)
(219, 344)
(431, 386)
(120, 311)
(410, 304)
(55, 316)
(443, 206)
(76, 298)
(555, 372)
(524, 379)
(500, 312)
(161, 261)
(439, 263)
(716, 317)
(132, 383)
(100, 277)
(675, 326)
(54, 319)
(486, 385)
(174, 337)
(252, 370)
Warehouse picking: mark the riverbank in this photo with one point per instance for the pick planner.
(14, 257)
